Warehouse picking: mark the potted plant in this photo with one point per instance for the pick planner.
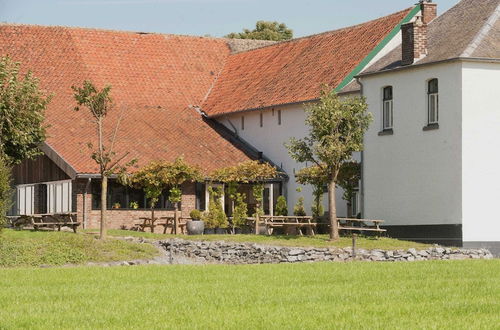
(134, 205)
(117, 205)
(195, 226)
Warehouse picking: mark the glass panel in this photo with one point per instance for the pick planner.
(433, 86)
(387, 93)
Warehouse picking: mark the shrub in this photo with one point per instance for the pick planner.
(5, 192)
(281, 207)
(317, 206)
(298, 209)
(240, 211)
(215, 217)
(195, 214)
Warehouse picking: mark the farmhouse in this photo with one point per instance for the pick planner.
(429, 82)
(430, 160)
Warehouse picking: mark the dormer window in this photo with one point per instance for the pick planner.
(432, 102)
(387, 109)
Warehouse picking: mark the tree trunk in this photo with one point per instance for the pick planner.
(349, 210)
(104, 202)
(334, 230)
(152, 218)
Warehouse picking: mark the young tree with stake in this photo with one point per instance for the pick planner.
(336, 130)
(99, 103)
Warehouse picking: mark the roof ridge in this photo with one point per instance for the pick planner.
(482, 33)
(110, 30)
(327, 32)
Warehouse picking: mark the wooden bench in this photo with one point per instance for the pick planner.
(360, 225)
(50, 220)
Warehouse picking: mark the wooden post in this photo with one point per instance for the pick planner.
(257, 220)
(354, 245)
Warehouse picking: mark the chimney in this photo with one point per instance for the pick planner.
(414, 34)
(428, 10)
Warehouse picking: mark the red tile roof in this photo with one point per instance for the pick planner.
(154, 78)
(293, 71)
(157, 80)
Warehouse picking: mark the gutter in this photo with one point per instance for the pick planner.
(418, 65)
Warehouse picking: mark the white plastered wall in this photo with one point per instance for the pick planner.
(481, 151)
(270, 139)
(413, 177)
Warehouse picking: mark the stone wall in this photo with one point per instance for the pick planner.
(246, 253)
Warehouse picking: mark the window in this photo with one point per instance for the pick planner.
(432, 102)
(261, 119)
(25, 199)
(242, 123)
(355, 204)
(122, 197)
(59, 197)
(387, 107)
(200, 196)
(279, 117)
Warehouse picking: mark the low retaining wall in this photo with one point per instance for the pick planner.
(246, 253)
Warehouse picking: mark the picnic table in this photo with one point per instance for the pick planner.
(56, 220)
(360, 225)
(168, 222)
(292, 225)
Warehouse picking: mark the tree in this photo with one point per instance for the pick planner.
(158, 176)
(5, 191)
(264, 30)
(348, 179)
(336, 130)
(281, 207)
(22, 112)
(99, 103)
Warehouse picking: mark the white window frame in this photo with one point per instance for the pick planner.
(387, 110)
(25, 199)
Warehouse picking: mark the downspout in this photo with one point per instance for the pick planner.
(85, 203)
(362, 183)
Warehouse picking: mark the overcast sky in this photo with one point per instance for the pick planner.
(202, 17)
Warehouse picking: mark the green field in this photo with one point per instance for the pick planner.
(31, 248)
(418, 295)
(383, 243)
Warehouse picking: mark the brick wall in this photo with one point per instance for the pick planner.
(117, 218)
(414, 41)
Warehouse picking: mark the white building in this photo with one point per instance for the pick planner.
(430, 164)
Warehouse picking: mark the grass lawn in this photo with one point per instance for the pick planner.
(417, 295)
(31, 248)
(383, 243)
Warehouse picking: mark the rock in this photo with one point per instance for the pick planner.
(295, 252)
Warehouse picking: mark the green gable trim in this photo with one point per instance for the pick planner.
(377, 49)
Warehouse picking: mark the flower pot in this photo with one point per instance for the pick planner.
(195, 227)
(209, 231)
(220, 231)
